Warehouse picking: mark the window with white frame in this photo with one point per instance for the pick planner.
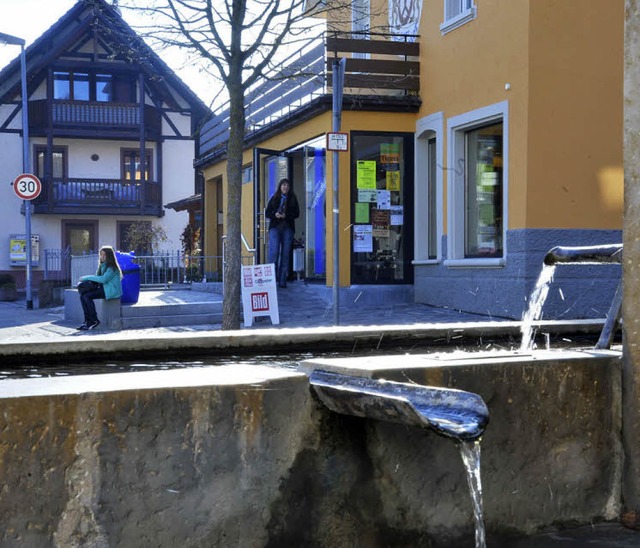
(457, 13)
(429, 189)
(478, 144)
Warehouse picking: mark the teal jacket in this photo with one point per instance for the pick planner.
(110, 278)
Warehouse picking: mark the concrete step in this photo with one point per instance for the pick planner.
(184, 309)
(166, 320)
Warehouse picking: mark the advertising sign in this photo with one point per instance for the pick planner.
(18, 249)
(259, 295)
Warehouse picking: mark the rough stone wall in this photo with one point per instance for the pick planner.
(260, 462)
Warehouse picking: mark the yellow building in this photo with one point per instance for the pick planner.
(491, 137)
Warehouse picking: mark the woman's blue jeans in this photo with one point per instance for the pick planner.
(280, 241)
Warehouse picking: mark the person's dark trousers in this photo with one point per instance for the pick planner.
(88, 306)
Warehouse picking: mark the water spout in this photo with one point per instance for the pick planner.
(596, 254)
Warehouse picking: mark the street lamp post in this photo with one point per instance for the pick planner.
(15, 41)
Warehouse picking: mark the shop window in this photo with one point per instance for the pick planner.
(382, 208)
(477, 186)
(457, 13)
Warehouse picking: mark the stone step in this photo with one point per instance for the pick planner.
(184, 309)
(165, 320)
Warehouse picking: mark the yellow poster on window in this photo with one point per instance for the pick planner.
(366, 174)
(393, 180)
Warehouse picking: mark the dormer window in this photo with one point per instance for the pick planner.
(87, 86)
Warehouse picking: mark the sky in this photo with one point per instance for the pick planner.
(28, 19)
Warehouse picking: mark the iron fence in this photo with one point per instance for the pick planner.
(164, 269)
(57, 264)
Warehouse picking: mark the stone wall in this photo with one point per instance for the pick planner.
(246, 456)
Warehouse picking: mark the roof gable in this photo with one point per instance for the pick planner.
(94, 31)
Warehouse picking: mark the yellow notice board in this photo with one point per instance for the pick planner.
(366, 174)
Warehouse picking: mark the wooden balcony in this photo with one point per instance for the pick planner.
(82, 118)
(382, 73)
(99, 197)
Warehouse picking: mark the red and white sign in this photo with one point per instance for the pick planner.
(259, 295)
(27, 186)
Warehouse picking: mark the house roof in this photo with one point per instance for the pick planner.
(85, 17)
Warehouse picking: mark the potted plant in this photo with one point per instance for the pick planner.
(8, 290)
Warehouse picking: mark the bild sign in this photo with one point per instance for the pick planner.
(259, 296)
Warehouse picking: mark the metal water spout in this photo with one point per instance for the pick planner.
(448, 412)
(597, 254)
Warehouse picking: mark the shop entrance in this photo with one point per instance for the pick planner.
(304, 166)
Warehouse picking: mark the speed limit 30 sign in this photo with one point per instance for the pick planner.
(27, 186)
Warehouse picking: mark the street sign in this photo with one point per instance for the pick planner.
(337, 141)
(27, 186)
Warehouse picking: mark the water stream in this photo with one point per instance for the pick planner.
(536, 302)
(470, 452)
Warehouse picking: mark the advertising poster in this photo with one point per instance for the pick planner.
(390, 155)
(362, 239)
(259, 295)
(366, 174)
(18, 249)
(393, 180)
(380, 222)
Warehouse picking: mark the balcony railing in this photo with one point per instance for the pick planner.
(92, 114)
(381, 65)
(102, 196)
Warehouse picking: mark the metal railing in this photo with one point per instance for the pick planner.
(244, 259)
(57, 264)
(163, 269)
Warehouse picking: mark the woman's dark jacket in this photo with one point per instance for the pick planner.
(291, 208)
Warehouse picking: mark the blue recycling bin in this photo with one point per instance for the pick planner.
(130, 277)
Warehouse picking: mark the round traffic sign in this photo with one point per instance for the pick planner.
(27, 186)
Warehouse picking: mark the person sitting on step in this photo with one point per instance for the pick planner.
(109, 278)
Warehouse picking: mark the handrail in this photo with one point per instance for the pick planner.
(245, 243)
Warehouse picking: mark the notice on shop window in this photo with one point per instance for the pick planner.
(380, 222)
(367, 195)
(366, 174)
(362, 239)
(362, 213)
(397, 215)
(383, 199)
(393, 180)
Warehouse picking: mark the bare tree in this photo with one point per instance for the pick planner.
(238, 41)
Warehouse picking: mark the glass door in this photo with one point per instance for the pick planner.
(314, 237)
(269, 166)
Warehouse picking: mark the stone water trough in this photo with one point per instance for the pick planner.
(248, 455)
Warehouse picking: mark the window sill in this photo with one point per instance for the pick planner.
(457, 21)
(475, 263)
(418, 262)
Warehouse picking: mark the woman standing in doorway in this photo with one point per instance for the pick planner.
(282, 210)
(109, 278)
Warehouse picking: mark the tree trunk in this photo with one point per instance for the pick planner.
(233, 247)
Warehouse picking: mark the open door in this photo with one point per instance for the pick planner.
(305, 167)
(269, 166)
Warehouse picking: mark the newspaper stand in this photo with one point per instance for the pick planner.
(259, 295)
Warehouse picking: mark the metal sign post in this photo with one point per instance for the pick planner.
(338, 84)
(15, 41)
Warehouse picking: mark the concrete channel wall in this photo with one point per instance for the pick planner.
(246, 456)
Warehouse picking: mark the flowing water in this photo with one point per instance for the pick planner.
(536, 302)
(470, 452)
